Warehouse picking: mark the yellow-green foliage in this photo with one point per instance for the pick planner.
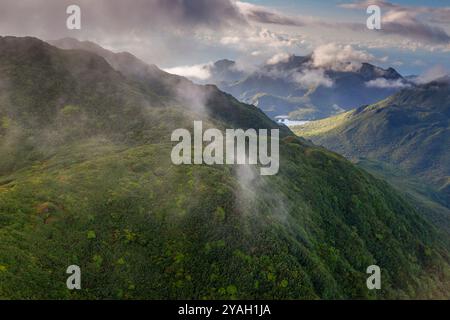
(5, 122)
(319, 127)
(69, 110)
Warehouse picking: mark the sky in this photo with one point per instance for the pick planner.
(181, 35)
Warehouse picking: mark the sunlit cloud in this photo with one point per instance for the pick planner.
(413, 22)
(200, 71)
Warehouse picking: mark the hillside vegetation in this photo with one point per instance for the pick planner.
(410, 130)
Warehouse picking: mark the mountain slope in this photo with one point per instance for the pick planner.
(153, 81)
(404, 139)
(86, 179)
(410, 129)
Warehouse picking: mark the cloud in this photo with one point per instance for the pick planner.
(434, 73)
(184, 32)
(155, 30)
(262, 14)
(49, 15)
(279, 57)
(213, 14)
(199, 72)
(261, 42)
(230, 40)
(366, 3)
(255, 191)
(406, 24)
(313, 78)
(413, 22)
(432, 14)
(405, 21)
(340, 57)
(387, 83)
(265, 37)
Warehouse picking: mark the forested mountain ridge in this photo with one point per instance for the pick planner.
(410, 129)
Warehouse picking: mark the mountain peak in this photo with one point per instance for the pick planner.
(224, 63)
(292, 62)
(225, 70)
(370, 71)
(124, 62)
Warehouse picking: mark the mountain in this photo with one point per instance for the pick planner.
(86, 179)
(153, 81)
(297, 88)
(409, 130)
(225, 71)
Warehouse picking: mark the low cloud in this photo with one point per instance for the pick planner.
(255, 192)
(434, 73)
(199, 71)
(340, 57)
(388, 84)
(313, 78)
(277, 58)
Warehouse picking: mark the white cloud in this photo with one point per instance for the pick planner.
(387, 83)
(269, 16)
(267, 38)
(340, 57)
(412, 22)
(229, 40)
(262, 42)
(200, 71)
(434, 73)
(312, 78)
(277, 58)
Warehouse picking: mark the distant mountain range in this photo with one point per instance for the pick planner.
(296, 88)
(86, 179)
